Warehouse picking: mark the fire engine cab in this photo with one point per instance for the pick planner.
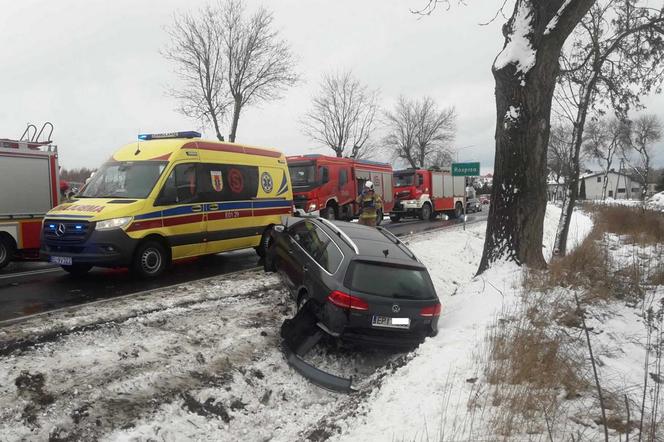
(28, 189)
(329, 186)
(425, 193)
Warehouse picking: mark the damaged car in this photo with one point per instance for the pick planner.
(352, 282)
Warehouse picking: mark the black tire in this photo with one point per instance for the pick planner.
(77, 269)
(395, 217)
(458, 210)
(329, 213)
(150, 260)
(6, 252)
(425, 212)
(266, 241)
(379, 217)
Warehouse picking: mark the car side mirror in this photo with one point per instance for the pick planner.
(279, 228)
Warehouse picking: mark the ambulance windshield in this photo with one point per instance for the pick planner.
(126, 179)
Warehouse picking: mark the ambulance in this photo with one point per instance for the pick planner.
(168, 197)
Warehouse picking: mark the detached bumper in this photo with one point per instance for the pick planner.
(110, 248)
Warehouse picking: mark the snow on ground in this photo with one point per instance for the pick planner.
(427, 398)
(202, 361)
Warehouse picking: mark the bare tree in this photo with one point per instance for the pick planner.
(604, 139)
(196, 50)
(259, 64)
(614, 58)
(645, 131)
(343, 116)
(559, 156)
(419, 133)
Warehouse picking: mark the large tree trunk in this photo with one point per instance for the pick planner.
(236, 118)
(523, 109)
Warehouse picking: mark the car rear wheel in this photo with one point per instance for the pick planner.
(425, 212)
(6, 252)
(150, 260)
(77, 269)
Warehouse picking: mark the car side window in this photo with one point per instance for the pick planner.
(317, 245)
(420, 180)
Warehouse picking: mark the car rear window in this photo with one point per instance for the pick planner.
(390, 281)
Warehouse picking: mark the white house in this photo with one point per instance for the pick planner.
(619, 186)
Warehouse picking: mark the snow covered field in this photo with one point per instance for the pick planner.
(202, 362)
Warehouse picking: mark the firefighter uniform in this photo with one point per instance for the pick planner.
(369, 204)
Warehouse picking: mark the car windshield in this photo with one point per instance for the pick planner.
(390, 281)
(403, 180)
(124, 179)
(302, 174)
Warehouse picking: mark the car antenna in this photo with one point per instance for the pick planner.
(386, 252)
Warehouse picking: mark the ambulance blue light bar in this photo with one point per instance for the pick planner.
(185, 134)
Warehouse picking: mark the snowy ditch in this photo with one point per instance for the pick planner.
(203, 361)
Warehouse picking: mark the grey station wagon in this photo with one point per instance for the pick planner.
(361, 283)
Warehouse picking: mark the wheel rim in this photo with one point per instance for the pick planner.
(329, 214)
(3, 252)
(427, 212)
(151, 260)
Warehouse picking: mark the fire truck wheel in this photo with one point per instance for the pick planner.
(425, 212)
(395, 217)
(150, 259)
(6, 252)
(329, 213)
(77, 269)
(458, 210)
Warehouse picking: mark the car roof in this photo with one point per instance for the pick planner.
(373, 242)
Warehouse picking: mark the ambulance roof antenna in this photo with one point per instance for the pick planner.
(138, 145)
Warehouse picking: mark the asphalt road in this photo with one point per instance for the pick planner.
(29, 288)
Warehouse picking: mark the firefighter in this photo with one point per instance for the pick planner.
(370, 204)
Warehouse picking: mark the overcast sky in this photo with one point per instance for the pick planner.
(94, 69)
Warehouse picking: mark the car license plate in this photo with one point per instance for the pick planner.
(387, 322)
(62, 260)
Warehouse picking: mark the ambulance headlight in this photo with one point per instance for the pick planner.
(113, 223)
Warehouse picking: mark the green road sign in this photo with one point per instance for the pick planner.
(465, 169)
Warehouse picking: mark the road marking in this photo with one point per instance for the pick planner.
(31, 272)
(12, 321)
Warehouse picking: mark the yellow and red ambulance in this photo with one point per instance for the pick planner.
(167, 197)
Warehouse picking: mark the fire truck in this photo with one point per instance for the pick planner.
(329, 186)
(426, 193)
(28, 189)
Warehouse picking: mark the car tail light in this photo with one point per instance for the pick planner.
(432, 310)
(344, 300)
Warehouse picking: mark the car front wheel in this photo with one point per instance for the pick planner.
(150, 260)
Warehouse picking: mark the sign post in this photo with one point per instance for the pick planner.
(465, 170)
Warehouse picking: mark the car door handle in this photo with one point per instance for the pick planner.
(291, 251)
(196, 208)
(305, 268)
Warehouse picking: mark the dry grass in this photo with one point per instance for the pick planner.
(639, 225)
(531, 367)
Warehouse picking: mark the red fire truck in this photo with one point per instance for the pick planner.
(425, 193)
(329, 185)
(28, 189)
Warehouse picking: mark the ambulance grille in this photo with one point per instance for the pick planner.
(65, 231)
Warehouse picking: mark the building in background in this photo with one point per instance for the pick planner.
(619, 185)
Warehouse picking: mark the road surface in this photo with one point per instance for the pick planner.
(29, 288)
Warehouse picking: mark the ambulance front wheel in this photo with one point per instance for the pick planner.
(150, 259)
